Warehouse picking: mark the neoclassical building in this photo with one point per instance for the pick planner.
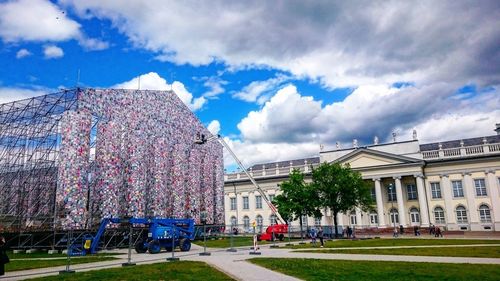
(453, 184)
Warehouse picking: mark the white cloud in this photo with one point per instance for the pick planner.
(92, 44)
(214, 127)
(23, 53)
(215, 85)
(52, 52)
(290, 120)
(153, 81)
(259, 90)
(41, 21)
(9, 94)
(35, 20)
(252, 153)
(343, 43)
(287, 117)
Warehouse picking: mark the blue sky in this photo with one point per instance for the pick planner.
(277, 78)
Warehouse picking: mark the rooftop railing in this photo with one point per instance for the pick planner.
(463, 151)
(270, 172)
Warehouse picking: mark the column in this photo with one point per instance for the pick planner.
(401, 203)
(380, 203)
(446, 192)
(470, 194)
(422, 201)
(495, 201)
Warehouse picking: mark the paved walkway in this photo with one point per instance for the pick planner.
(236, 265)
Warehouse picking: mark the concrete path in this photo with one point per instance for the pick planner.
(235, 264)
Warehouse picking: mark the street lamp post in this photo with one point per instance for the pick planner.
(203, 218)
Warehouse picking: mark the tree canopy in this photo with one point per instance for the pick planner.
(341, 189)
(297, 198)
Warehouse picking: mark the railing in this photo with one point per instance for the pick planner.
(462, 151)
(269, 172)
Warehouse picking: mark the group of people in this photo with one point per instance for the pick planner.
(435, 230)
(349, 232)
(317, 234)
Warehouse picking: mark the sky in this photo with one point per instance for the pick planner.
(277, 79)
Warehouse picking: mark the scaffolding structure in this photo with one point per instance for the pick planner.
(70, 158)
(29, 149)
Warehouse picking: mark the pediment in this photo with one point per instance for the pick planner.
(363, 157)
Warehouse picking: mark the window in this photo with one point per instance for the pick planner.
(304, 220)
(374, 194)
(317, 222)
(352, 216)
(415, 216)
(394, 216)
(412, 191)
(272, 219)
(245, 203)
(461, 214)
(435, 190)
(259, 221)
(233, 204)
(258, 202)
(458, 190)
(480, 187)
(234, 222)
(391, 193)
(484, 213)
(373, 218)
(439, 215)
(271, 198)
(246, 222)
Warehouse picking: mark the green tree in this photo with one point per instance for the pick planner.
(297, 199)
(341, 189)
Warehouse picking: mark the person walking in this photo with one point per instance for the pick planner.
(401, 229)
(4, 259)
(320, 236)
(313, 236)
(395, 233)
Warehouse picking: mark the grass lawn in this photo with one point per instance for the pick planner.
(396, 242)
(476, 252)
(15, 265)
(314, 269)
(182, 270)
(226, 242)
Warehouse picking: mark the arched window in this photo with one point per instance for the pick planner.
(415, 216)
(439, 215)
(272, 219)
(373, 218)
(234, 222)
(352, 217)
(461, 214)
(259, 221)
(484, 213)
(394, 215)
(246, 222)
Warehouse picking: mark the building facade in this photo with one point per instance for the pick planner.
(452, 184)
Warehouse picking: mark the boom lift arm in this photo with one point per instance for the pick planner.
(201, 139)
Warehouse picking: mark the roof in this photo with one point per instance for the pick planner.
(456, 143)
(282, 164)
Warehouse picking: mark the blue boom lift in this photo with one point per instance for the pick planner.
(162, 233)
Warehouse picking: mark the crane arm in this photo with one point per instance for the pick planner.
(273, 208)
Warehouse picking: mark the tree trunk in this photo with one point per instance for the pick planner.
(335, 224)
